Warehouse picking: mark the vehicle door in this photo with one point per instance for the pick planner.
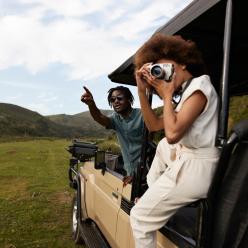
(107, 201)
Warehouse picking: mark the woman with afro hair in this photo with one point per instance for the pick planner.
(186, 157)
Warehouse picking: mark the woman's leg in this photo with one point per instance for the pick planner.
(151, 212)
(178, 186)
(159, 163)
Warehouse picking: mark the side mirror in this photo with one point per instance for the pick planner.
(100, 163)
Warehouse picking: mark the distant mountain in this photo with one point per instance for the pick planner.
(18, 121)
(83, 121)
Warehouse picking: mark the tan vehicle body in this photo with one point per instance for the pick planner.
(102, 201)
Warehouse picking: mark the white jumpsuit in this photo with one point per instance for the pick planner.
(181, 173)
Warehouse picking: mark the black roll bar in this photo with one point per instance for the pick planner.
(224, 99)
(136, 189)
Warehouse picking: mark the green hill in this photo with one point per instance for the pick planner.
(83, 121)
(238, 110)
(17, 121)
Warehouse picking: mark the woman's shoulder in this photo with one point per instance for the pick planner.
(202, 83)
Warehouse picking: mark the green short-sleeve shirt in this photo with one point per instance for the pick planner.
(129, 132)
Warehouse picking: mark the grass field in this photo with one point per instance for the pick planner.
(35, 197)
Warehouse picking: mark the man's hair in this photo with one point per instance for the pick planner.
(126, 92)
(160, 46)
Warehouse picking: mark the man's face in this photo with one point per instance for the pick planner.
(119, 102)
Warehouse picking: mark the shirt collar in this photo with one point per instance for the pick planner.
(129, 117)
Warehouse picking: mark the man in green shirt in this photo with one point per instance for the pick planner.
(125, 120)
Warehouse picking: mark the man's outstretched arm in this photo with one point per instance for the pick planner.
(97, 115)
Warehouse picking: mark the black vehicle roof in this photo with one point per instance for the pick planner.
(203, 22)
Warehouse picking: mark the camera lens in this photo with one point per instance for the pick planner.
(157, 71)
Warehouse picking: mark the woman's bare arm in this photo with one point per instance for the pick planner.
(152, 121)
(176, 124)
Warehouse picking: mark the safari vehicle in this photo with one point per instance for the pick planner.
(101, 206)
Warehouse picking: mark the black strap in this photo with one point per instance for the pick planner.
(178, 94)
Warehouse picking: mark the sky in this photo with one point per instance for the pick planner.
(50, 49)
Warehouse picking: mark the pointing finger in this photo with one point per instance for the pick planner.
(86, 89)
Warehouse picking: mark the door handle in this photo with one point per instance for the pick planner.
(115, 195)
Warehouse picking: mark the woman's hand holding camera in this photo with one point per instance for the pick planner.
(164, 89)
(146, 80)
(141, 79)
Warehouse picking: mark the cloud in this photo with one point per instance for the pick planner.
(13, 98)
(68, 8)
(19, 85)
(47, 97)
(91, 37)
